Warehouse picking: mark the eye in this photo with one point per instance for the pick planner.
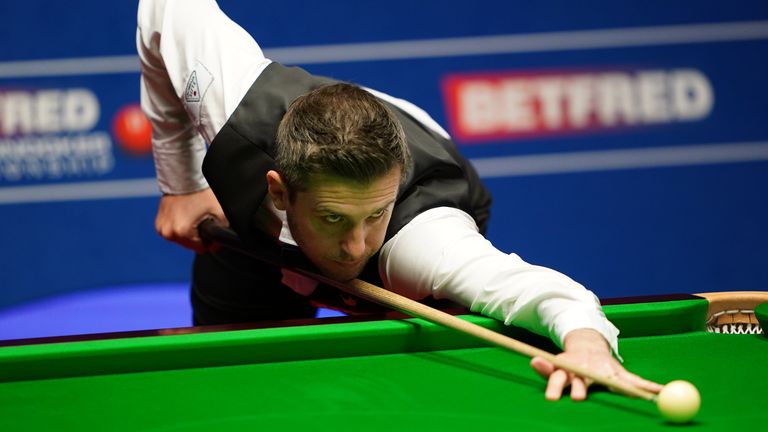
(332, 218)
(378, 214)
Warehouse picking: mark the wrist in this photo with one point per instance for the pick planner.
(585, 338)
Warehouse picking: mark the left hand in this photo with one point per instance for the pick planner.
(589, 349)
(178, 216)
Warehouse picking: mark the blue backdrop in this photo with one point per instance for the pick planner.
(625, 143)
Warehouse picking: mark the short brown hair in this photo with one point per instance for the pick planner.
(340, 130)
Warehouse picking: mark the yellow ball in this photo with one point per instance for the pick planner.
(678, 401)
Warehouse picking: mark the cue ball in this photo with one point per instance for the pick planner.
(678, 401)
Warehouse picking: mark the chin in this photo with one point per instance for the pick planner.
(342, 275)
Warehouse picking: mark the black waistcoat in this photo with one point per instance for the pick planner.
(243, 151)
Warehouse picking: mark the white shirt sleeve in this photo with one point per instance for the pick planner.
(196, 66)
(441, 252)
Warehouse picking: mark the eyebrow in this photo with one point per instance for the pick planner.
(323, 209)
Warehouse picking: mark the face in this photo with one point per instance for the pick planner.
(338, 224)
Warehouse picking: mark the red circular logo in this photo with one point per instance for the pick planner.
(132, 130)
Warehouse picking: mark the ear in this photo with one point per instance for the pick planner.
(277, 189)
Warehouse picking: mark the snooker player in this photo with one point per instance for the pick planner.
(349, 181)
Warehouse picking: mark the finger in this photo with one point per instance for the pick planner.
(579, 388)
(165, 233)
(186, 239)
(557, 382)
(542, 367)
(188, 243)
(641, 382)
(190, 238)
(215, 215)
(192, 241)
(221, 217)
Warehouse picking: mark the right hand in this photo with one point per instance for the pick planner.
(588, 349)
(178, 217)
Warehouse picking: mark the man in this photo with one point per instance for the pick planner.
(348, 181)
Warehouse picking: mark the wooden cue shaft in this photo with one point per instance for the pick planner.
(404, 304)
(212, 231)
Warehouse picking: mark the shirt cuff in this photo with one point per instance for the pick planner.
(576, 315)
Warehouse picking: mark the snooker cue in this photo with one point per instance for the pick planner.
(212, 232)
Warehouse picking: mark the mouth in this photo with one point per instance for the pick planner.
(349, 264)
(343, 271)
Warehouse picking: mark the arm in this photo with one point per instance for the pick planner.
(190, 45)
(441, 253)
(178, 152)
(177, 148)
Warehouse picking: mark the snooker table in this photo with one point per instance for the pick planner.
(384, 374)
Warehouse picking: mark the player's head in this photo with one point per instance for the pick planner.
(341, 158)
(340, 130)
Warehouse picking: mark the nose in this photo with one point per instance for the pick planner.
(353, 243)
